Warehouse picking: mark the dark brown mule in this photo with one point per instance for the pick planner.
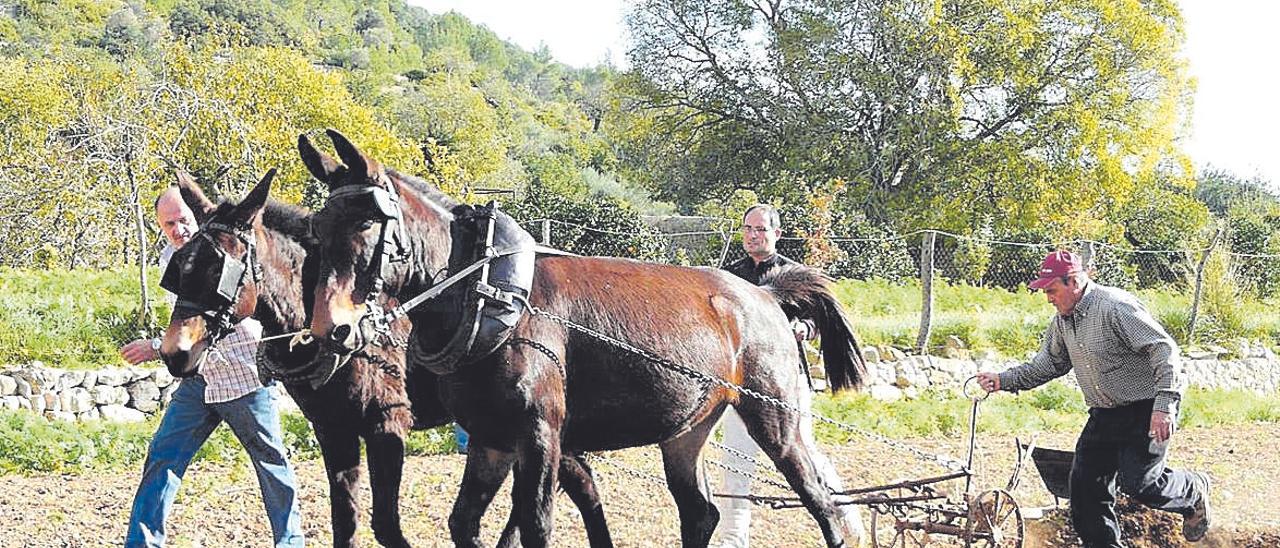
(567, 391)
(369, 398)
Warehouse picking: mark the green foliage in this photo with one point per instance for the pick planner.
(1252, 237)
(1054, 407)
(299, 437)
(1056, 115)
(1203, 408)
(1220, 298)
(31, 443)
(101, 100)
(72, 319)
(434, 441)
(615, 229)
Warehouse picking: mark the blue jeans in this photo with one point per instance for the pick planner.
(187, 423)
(1115, 453)
(461, 437)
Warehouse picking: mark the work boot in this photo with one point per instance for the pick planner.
(1196, 525)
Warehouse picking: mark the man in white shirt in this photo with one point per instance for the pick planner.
(225, 388)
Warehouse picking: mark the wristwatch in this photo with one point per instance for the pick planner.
(155, 345)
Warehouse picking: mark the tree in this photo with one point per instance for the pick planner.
(934, 112)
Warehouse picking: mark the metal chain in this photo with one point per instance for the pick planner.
(760, 465)
(749, 475)
(945, 461)
(627, 469)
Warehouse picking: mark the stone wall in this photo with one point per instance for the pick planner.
(133, 393)
(127, 394)
(894, 375)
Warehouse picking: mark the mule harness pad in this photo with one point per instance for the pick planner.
(495, 256)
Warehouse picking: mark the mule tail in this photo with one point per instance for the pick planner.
(804, 292)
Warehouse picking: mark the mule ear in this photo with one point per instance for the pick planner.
(360, 165)
(193, 196)
(321, 165)
(249, 208)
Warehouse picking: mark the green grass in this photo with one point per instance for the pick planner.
(1050, 408)
(31, 444)
(72, 319)
(1013, 322)
(78, 319)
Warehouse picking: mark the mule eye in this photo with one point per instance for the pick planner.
(365, 226)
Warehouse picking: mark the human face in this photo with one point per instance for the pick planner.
(759, 237)
(176, 220)
(1064, 296)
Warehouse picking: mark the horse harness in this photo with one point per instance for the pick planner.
(195, 297)
(490, 251)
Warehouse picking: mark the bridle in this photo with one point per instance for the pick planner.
(374, 203)
(212, 302)
(383, 204)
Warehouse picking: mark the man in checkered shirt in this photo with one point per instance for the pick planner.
(226, 388)
(1130, 373)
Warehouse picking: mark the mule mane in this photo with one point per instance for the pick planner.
(429, 192)
(289, 220)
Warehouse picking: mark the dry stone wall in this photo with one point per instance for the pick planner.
(125, 394)
(134, 393)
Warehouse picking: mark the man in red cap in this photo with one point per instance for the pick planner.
(1128, 368)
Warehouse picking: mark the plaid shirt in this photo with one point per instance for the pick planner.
(230, 369)
(1119, 352)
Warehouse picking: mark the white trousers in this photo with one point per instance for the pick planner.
(735, 514)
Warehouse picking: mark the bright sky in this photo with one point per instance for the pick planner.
(1232, 47)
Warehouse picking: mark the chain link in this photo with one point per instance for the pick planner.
(627, 469)
(945, 461)
(749, 475)
(760, 465)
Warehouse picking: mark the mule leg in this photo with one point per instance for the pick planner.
(486, 469)
(386, 466)
(698, 516)
(788, 440)
(511, 531)
(534, 485)
(340, 448)
(579, 483)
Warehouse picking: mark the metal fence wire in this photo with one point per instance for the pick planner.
(910, 258)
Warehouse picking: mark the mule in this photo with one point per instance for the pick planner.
(370, 398)
(554, 388)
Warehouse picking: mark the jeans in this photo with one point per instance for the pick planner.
(461, 437)
(187, 423)
(1114, 453)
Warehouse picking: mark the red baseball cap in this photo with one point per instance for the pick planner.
(1057, 265)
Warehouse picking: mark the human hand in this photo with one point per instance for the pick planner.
(1161, 426)
(138, 351)
(989, 381)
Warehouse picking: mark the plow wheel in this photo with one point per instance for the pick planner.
(890, 525)
(995, 521)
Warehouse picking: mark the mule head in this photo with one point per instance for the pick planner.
(360, 234)
(215, 275)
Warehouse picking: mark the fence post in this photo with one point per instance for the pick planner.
(546, 232)
(926, 285)
(1195, 298)
(1086, 256)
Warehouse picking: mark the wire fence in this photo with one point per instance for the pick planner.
(921, 258)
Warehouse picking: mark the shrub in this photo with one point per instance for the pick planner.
(434, 441)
